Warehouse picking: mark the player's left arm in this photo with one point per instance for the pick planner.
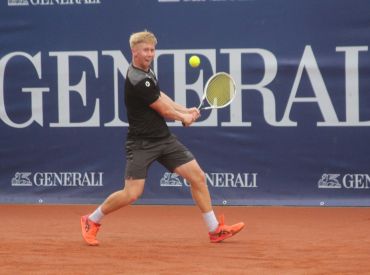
(180, 108)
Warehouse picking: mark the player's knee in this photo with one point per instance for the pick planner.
(133, 199)
(132, 190)
(134, 196)
(199, 180)
(202, 177)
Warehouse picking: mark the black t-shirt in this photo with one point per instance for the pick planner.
(141, 90)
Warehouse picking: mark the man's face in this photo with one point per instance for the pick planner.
(143, 55)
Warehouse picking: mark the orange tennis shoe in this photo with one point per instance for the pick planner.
(89, 230)
(224, 231)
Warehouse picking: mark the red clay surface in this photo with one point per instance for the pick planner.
(42, 239)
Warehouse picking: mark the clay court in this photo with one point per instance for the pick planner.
(43, 239)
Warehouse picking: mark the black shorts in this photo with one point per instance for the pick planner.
(140, 154)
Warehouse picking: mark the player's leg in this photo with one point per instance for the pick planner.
(90, 224)
(130, 193)
(177, 158)
(137, 162)
(193, 174)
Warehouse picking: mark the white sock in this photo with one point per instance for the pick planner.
(210, 220)
(97, 215)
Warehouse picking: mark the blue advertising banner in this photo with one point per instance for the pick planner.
(296, 134)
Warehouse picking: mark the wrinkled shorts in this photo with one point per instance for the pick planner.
(140, 154)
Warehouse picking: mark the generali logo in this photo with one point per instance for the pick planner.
(348, 181)
(18, 3)
(217, 180)
(22, 179)
(53, 179)
(52, 2)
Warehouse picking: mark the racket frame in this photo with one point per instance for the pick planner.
(205, 93)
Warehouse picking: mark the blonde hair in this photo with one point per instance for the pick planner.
(140, 37)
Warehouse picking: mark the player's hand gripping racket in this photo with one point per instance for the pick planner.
(219, 92)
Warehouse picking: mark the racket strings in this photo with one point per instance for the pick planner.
(220, 91)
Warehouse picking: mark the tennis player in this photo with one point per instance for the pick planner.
(149, 139)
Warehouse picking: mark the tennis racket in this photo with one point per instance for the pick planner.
(219, 92)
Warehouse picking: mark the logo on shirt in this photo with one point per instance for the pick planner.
(147, 83)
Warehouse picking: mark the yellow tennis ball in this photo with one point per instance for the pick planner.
(194, 61)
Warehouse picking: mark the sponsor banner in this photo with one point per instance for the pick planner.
(214, 180)
(347, 181)
(296, 134)
(15, 3)
(48, 179)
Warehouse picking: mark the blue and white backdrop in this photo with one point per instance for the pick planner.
(298, 132)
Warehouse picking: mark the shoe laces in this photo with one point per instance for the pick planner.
(224, 229)
(91, 227)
